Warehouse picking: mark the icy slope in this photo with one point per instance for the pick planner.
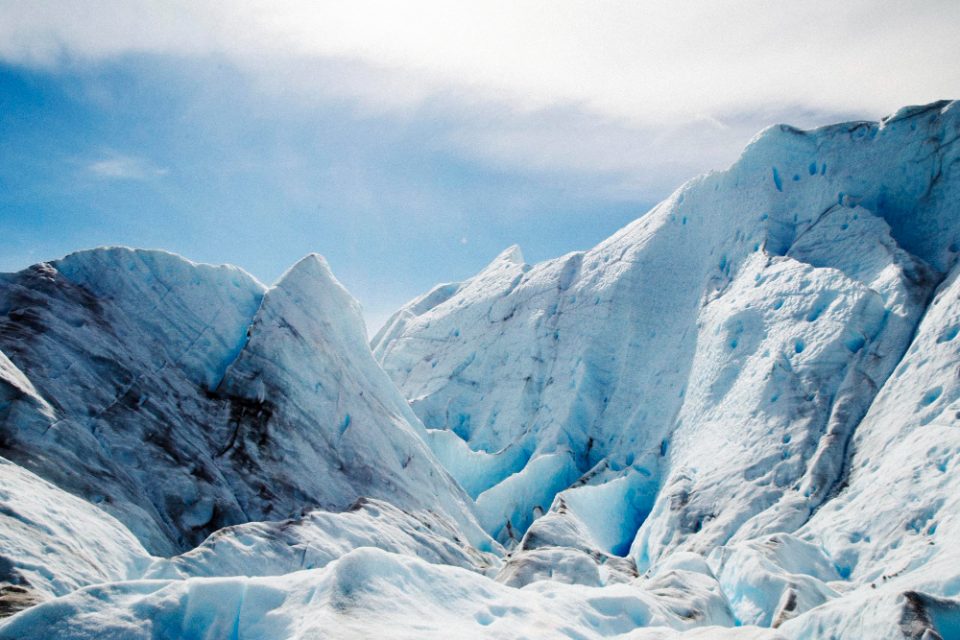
(52, 543)
(182, 398)
(894, 531)
(901, 502)
(319, 537)
(368, 593)
(882, 556)
(716, 355)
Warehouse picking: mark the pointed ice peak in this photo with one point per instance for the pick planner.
(312, 275)
(510, 254)
(509, 259)
(505, 268)
(314, 293)
(313, 267)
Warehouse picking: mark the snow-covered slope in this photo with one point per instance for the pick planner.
(717, 354)
(368, 593)
(894, 530)
(737, 417)
(699, 379)
(52, 543)
(182, 398)
(319, 537)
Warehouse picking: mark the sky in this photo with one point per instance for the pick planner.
(411, 142)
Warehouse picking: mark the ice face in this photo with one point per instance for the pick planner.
(726, 344)
(123, 346)
(184, 398)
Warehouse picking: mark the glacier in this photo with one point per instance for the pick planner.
(738, 417)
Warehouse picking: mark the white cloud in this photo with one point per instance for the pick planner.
(643, 62)
(577, 142)
(117, 166)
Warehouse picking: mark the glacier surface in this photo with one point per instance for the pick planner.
(737, 417)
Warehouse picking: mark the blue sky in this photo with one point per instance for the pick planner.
(412, 148)
(152, 154)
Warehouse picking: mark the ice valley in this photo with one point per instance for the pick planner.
(738, 417)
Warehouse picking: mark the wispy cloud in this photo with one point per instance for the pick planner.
(649, 62)
(117, 166)
(424, 123)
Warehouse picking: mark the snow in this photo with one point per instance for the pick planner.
(741, 322)
(365, 593)
(319, 537)
(52, 543)
(737, 417)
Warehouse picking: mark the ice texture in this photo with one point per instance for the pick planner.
(726, 344)
(738, 417)
(52, 543)
(367, 593)
(183, 398)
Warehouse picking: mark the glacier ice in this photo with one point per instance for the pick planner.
(737, 417)
(183, 398)
(52, 543)
(369, 593)
(319, 537)
(727, 343)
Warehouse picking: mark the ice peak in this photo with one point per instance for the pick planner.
(912, 111)
(509, 259)
(312, 274)
(510, 254)
(312, 266)
(311, 291)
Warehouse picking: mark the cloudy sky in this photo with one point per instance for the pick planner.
(411, 142)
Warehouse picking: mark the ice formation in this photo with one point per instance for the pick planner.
(737, 417)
